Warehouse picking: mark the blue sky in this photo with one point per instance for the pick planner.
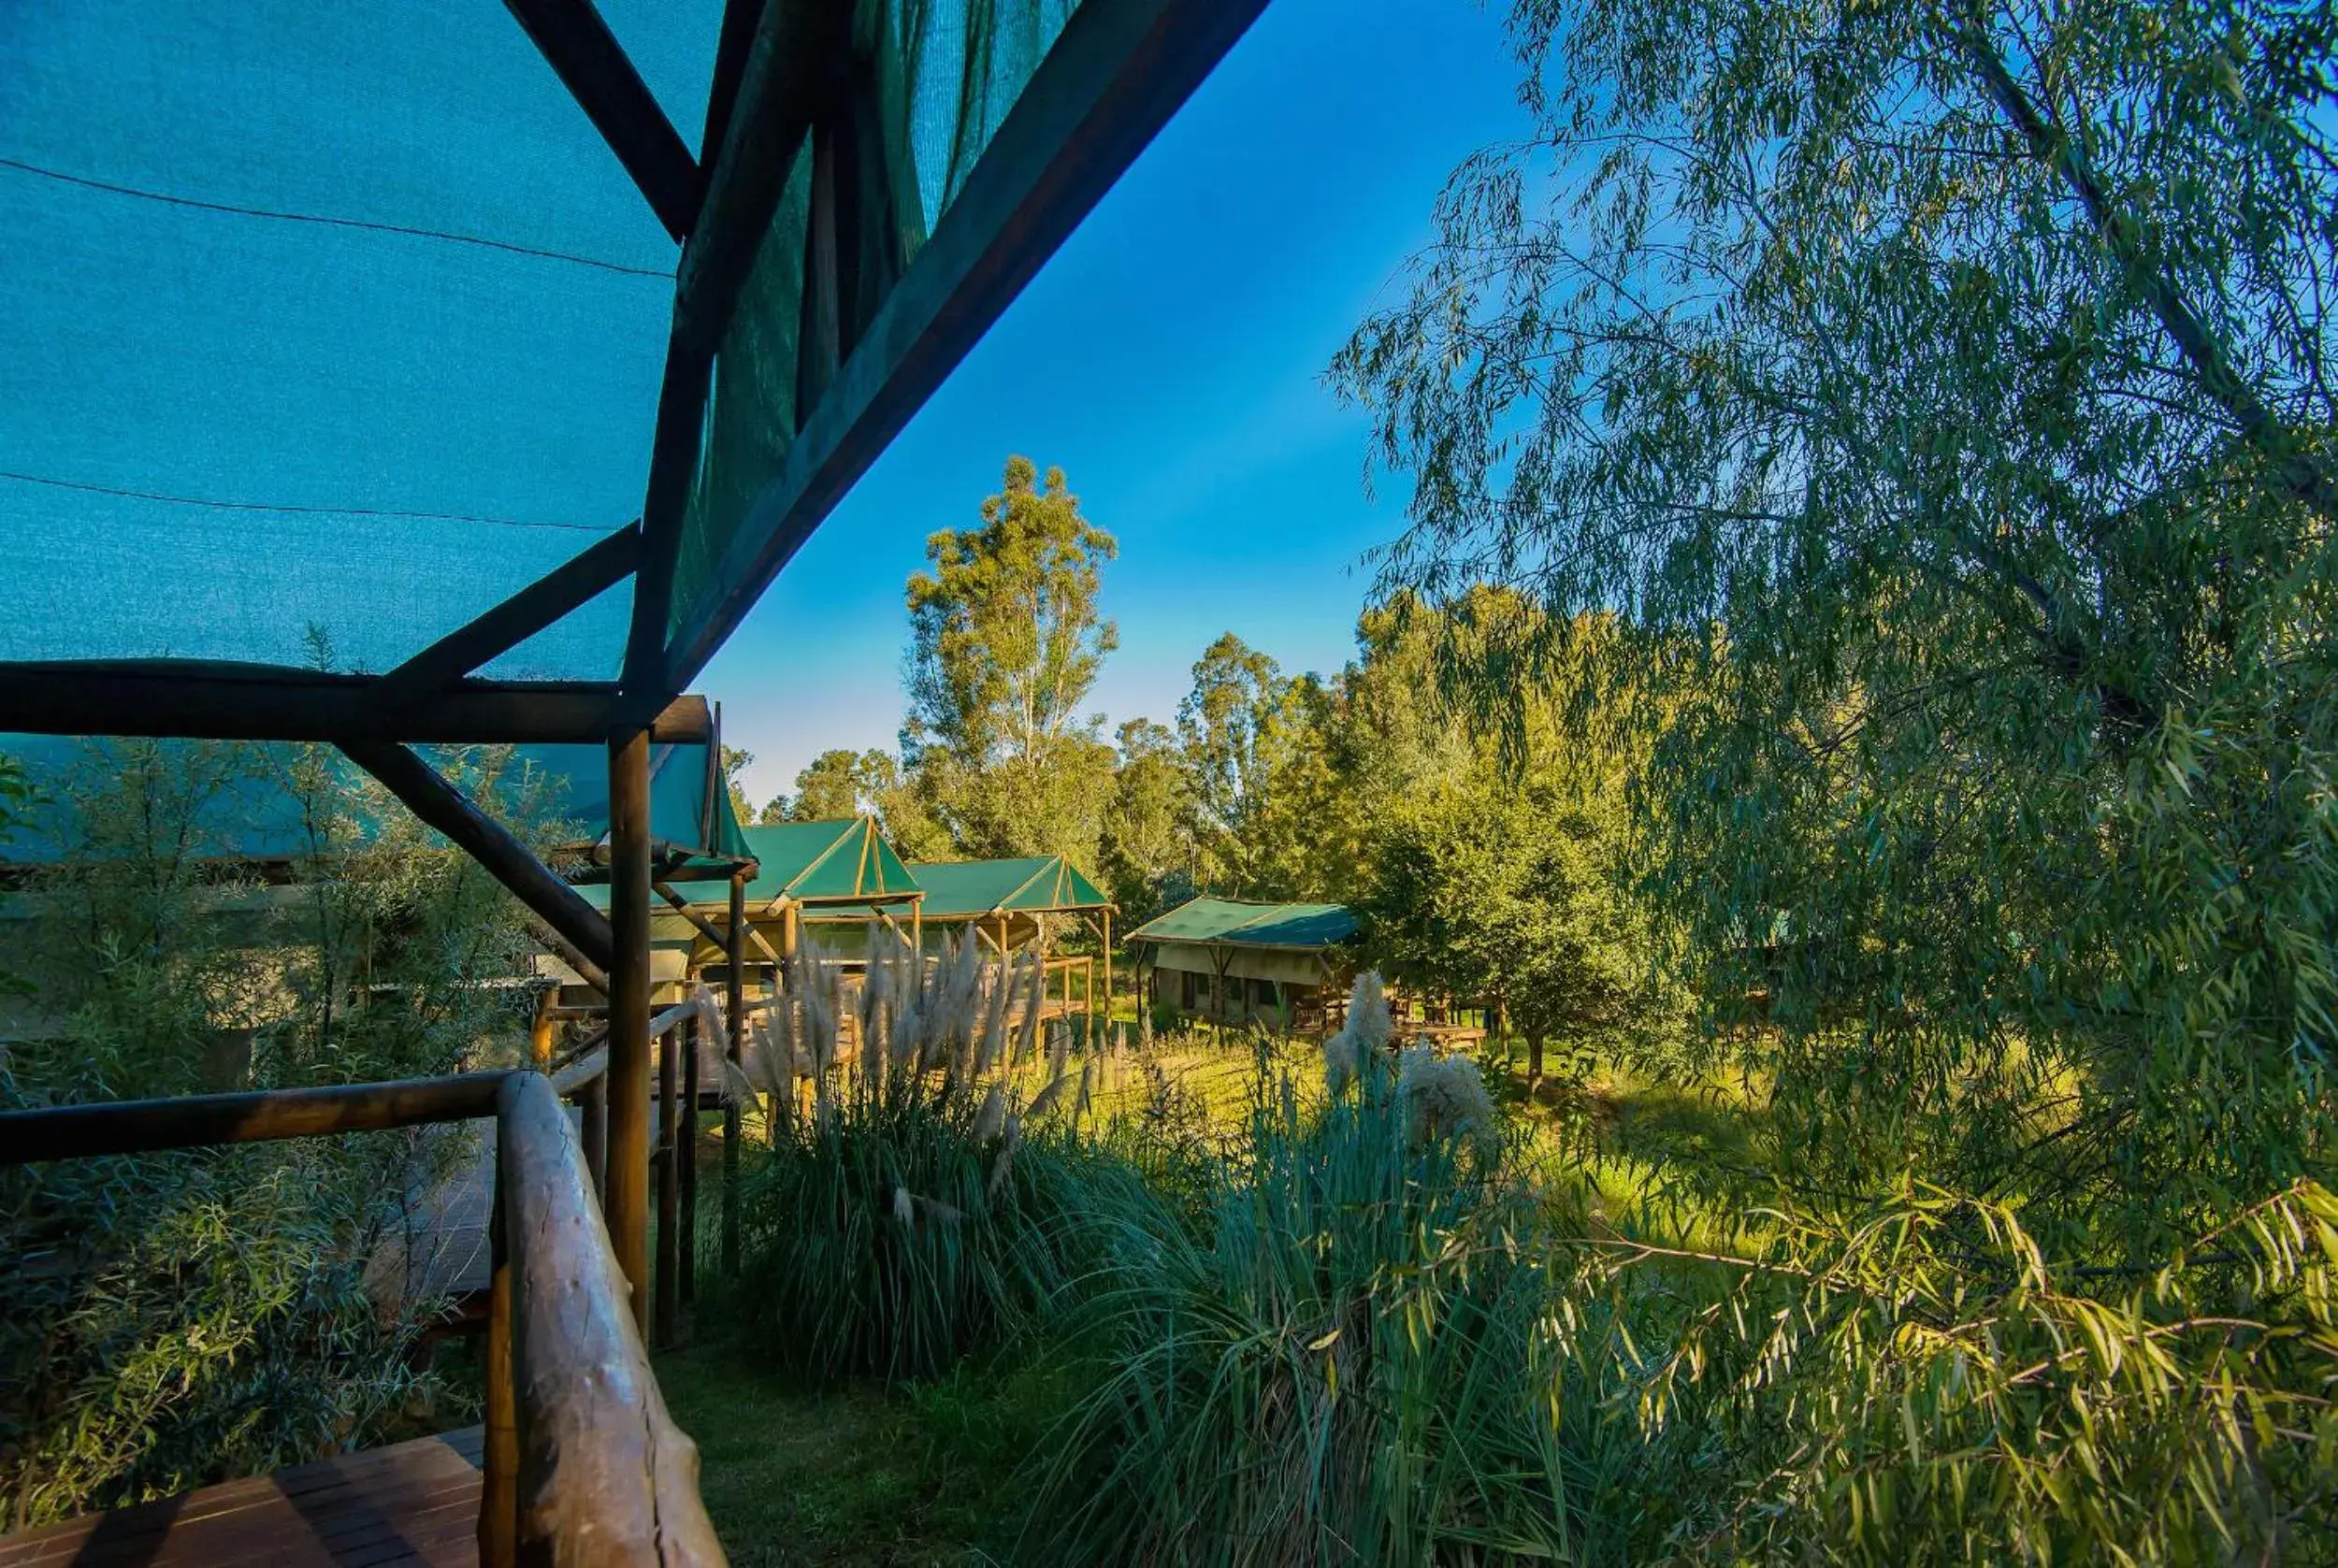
(1169, 360)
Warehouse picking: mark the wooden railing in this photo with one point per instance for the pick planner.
(584, 1466)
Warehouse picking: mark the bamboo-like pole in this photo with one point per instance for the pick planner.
(593, 1102)
(687, 1151)
(499, 1466)
(626, 1192)
(540, 1035)
(668, 1192)
(735, 1002)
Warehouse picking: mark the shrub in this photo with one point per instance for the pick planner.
(1350, 1361)
(922, 1209)
(171, 1320)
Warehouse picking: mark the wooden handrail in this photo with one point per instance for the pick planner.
(190, 1121)
(584, 1464)
(604, 1475)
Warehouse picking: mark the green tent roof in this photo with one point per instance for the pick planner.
(962, 889)
(846, 860)
(1237, 922)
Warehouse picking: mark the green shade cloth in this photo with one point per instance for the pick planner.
(1237, 922)
(254, 814)
(966, 889)
(330, 327)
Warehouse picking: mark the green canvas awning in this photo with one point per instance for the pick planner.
(970, 889)
(1238, 922)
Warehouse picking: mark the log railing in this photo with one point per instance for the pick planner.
(583, 1465)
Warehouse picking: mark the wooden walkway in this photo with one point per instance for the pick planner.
(411, 1503)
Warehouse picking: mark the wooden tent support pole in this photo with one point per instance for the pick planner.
(704, 927)
(572, 956)
(500, 1457)
(487, 841)
(540, 1033)
(668, 1192)
(626, 1191)
(693, 1035)
(734, 1050)
(592, 1102)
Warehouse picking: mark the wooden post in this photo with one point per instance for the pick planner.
(626, 1191)
(735, 999)
(499, 1457)
(917, 929)
(692, 1034)
(668, 1192)
(540, 1036)
(1104, 922)
(789, 930)
(593, 1102)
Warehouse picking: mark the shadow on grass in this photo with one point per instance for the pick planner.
(858, 1474)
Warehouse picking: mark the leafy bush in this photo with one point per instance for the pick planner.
(176, 1318)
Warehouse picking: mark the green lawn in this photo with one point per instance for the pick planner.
(789, 1477)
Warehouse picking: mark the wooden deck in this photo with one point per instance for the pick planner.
(411, 1503)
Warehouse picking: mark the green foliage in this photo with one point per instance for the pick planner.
(175, 1318)
(1147, 857)
(1006, 645)
(1935, 395)
(891, 1235)
(1343, 1361)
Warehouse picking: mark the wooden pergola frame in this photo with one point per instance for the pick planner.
(1111, 80)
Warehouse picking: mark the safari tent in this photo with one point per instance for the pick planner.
(1232, 962)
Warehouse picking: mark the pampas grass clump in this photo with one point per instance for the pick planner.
(913, 1216)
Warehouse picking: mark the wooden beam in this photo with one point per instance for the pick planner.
(593, 974)
(664, 1324)
(605, 1477)
(626, 1177)
(210, 700)
(199, 1120)
(602, 566)
(734, 1051)
(588, 58)
(1111, 80)
(487, 841)
(705, 928)
(731, 47)
(797, 47)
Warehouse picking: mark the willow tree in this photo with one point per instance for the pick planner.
(1005, 646)
(1937, 396)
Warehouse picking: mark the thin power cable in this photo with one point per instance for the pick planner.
(299, 511)
(62, 178)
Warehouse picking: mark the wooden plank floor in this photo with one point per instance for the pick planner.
(411, 1503)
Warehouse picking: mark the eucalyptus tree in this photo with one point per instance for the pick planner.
(1936, 396)
(1005, 646)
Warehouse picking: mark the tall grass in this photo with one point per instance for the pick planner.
(1349, 1359)
(924, 1206)
(1363, 1327)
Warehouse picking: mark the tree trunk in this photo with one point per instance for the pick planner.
(1533, 1063)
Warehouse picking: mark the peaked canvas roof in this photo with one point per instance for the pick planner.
(846, 860)
(966, 889)
(1239, 923)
